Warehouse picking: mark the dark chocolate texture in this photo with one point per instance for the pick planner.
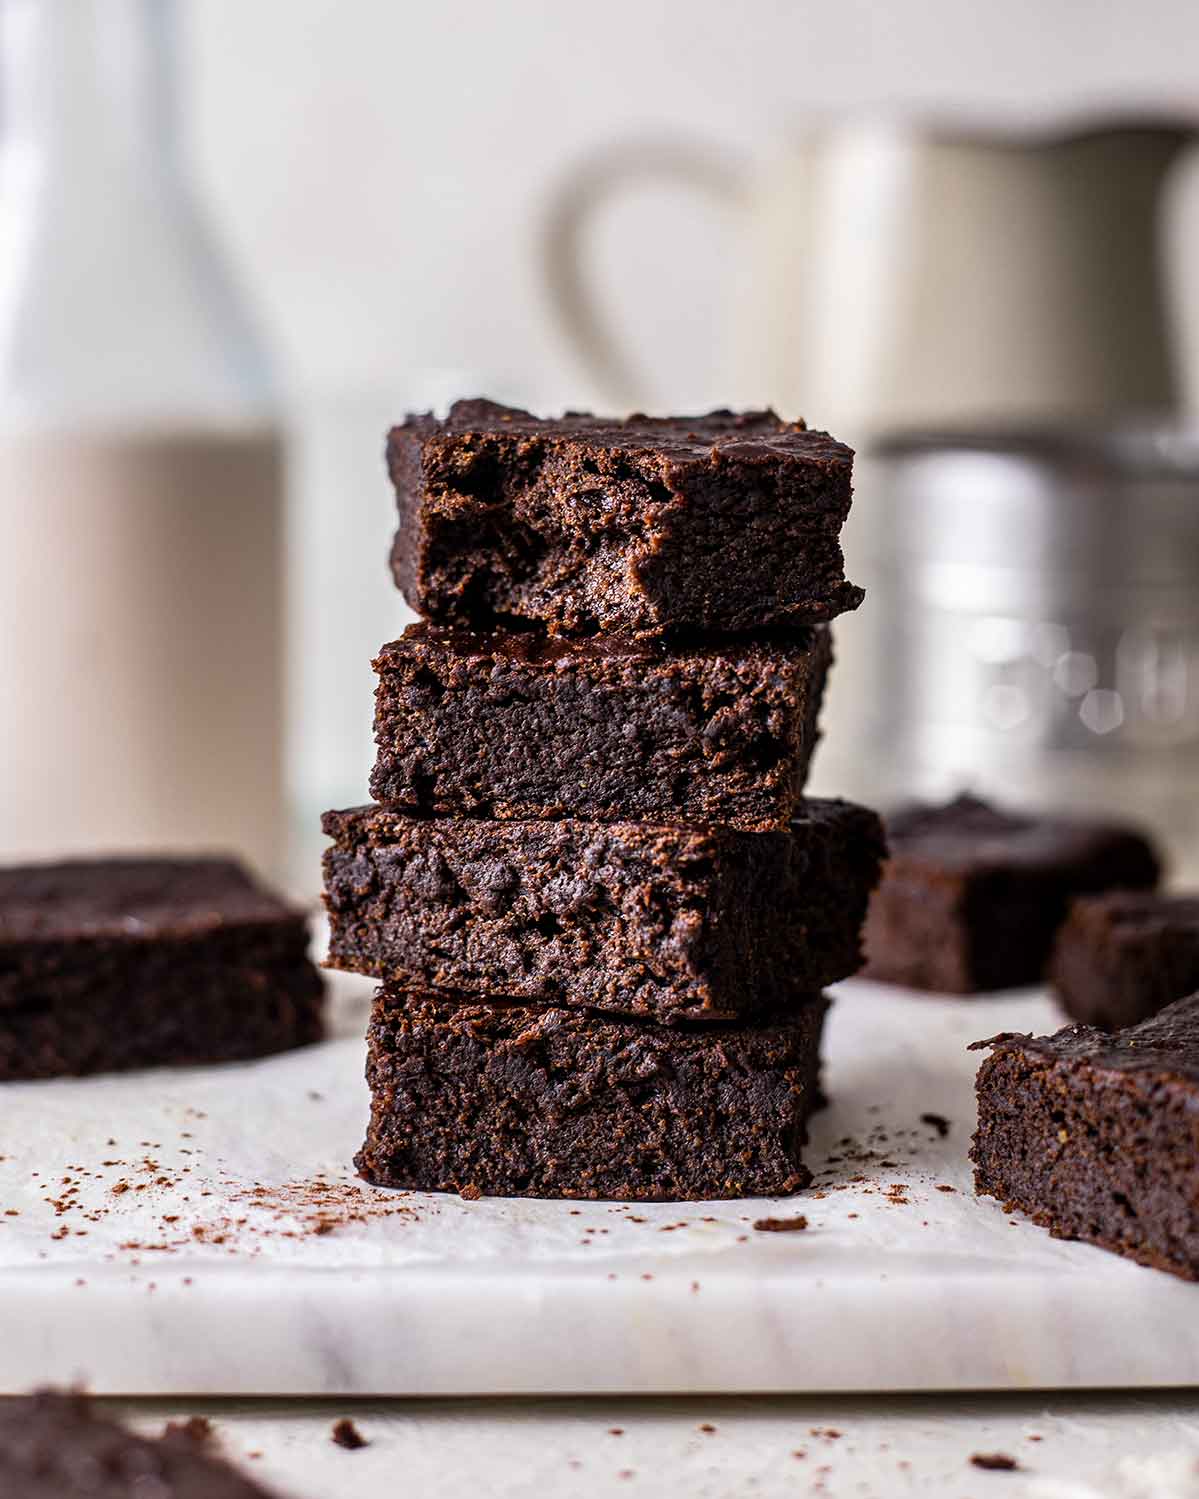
(702, 525)
(517, 1101)
(662, 920)
(972, 896)
(518, 726)
(116, 963)
(1096, 1136)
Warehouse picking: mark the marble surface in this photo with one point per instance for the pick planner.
(1067, 1447)
(201, 1232)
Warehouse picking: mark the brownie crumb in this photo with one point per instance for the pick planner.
(937, 1122)
(347, 1435)
(780, 1225)
(706, 1426)
(994, 1462)
(470, 1192)
(195, 1428)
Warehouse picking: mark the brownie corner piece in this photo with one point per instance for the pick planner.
(1095, 1136)
(114, 963)
(1122, 956)
(534, 1101)
(972, 895)
(59, 1445)
(520, 726)
(720, 523)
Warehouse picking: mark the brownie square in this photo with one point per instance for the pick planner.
(521, 726)
(1096, 1136)
(116, 963)
(707, 524)
(664, 920)
(972, 897)
(1121, 957)
(517, 1101)
(59, 1446)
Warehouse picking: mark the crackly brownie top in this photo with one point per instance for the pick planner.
(131, 898)
(683, 439)
(531, 648)
(970, 836)
(59, 1446)
(1137, 914)
(1167, 1042)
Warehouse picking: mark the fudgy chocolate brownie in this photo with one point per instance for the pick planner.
(516, 1101)
(972, 897)
(56, 1446)
(119, 963)
(710, 524)
(1096, 1136)
(1122, 957)
(527, 726)
(662, 920)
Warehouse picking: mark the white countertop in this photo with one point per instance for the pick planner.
(1097, 1447)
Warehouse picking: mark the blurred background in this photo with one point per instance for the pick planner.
(237, 241)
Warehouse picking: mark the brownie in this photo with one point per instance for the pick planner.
(517, 1101)
(1123, 956)
(972, 897)
(115, 963)
(527, 726)
(662, 920)
(1096, 1136)
(60, 1446)
(708, 524)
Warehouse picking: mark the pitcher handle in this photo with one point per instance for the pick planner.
(601, 177)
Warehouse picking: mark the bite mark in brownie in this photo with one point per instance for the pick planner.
(1121, 957)
(60, 1446)
(136, 962)
(668, 921)
(712, 524)
(517, 1101)
(1096, 1136)
(519, 726)
(972, 896)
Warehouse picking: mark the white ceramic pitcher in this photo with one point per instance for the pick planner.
(906, 276)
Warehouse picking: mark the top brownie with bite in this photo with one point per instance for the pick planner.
(703, 525)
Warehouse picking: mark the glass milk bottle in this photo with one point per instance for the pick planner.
(140, 467)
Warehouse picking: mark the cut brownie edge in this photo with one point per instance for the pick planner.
(543, 1102)
(1096, 1137)
(672, 921)
(522, 728)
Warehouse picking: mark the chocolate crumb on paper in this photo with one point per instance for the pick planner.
(994, 1462)
(347, 1435)
(780, 1225)
(196, 1429)
(937, 1122)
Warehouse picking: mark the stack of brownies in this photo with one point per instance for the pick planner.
(601, 908)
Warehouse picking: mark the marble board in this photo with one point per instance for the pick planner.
(201, 1232)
